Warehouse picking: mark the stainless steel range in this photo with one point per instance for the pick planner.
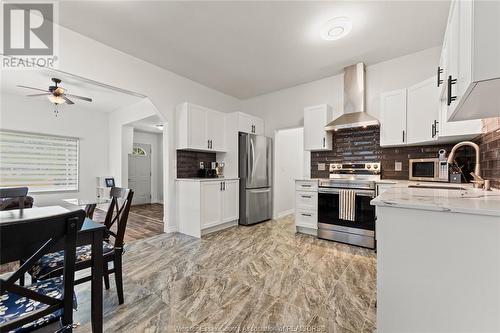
(344, 211)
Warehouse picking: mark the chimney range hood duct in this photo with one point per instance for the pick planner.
(354, 101)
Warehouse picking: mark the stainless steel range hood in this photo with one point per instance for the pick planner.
(354, 101)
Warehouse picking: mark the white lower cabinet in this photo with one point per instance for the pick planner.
(306, 205)
(204, 205)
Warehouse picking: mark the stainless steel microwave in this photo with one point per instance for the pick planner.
(429, 169)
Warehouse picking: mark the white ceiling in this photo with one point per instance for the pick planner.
(147, 124)
(104, 99)
(248, 48)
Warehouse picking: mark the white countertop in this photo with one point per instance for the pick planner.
(204, 179)
(470, 201)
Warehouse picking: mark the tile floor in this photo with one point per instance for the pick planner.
(264, 277)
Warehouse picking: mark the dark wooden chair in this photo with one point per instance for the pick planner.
(13, 198)
(41, 303)
(51, 265)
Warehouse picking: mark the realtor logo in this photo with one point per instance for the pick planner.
(28, 29)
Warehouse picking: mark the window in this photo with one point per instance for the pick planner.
(138, 151)
(41, 162)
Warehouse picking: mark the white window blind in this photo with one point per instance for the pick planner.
(41, 162)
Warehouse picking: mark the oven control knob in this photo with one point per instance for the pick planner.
(375, 166)
(368, 166)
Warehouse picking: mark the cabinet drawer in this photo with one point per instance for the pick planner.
(306, 200)
(306, 219)
(306, 185)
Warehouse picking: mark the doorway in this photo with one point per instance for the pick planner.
(288, 166)
(139, 173)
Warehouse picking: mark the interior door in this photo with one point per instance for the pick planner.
(230, 200)
(393, 118)
(139, 171)
(211, 203)
(422, 111)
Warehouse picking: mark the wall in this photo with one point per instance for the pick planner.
(156, 142)
(288, 166)
(285, 108)
(36, 115)
(188, 162)
(363, 145)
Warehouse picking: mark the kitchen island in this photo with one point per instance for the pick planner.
(438, 260)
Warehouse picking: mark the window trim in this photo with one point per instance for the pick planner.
(77, 161)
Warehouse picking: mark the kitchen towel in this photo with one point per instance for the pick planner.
(347, 203)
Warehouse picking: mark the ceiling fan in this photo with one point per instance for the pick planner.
(57, 95)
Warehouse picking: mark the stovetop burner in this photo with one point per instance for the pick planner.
(353, 176)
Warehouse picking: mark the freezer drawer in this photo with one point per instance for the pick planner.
(256, 205)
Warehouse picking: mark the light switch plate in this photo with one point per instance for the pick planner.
(321, 166)
(398, 166)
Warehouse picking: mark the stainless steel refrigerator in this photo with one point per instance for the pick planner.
(255, 172)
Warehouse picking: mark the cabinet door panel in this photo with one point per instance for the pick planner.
(393, 118)
(258, 126)
(230, 201)
(422, 111)
(245, 123)
(197, 127)
(216, 130)
(211, 203)
(315, 136)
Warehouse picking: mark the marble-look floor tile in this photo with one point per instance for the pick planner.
(282, 315)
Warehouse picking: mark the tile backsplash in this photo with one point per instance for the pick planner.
(489, 145)
(188, 162)
(363, 145)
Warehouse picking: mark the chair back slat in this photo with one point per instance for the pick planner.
(13, 194)
(17, 238)
(118, 211)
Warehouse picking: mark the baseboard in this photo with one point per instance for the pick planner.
(307, 231)
(284, 213)
(170, 228)
(218, 227)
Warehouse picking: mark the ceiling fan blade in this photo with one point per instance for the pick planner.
(33, 95)
(68, 101)
(33, 88)
(80, 97)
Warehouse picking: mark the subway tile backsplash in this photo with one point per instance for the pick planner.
(188, 162)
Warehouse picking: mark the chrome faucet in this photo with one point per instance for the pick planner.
(477, 168)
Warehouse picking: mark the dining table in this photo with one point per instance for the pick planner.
(89, 204)
(91, 233)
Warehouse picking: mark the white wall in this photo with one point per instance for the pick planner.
(83, 56)
(36, 115)
(288, 166)
(284, 108)
(156, 142)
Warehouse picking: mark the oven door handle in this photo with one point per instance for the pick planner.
(365, 193)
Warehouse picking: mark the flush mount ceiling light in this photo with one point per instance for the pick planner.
(336, 28)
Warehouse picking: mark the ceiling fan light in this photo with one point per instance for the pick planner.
(56, 99)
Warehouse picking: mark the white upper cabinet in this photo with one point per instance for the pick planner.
(470, 60)
(250, 124)
(422, 112)
(315, 120)
(393, 118)
(200, 128)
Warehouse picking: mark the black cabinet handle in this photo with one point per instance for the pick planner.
(439, 72)
(434, 128)
(450, 83)
(208, 144)
(305, 214)
(221, 186)
(306, 196)
(403, 135)
(324, 142)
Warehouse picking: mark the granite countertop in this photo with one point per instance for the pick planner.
(205, 179)
(469, 201)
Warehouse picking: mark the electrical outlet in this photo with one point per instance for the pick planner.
(398, 166)
(321, 166)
